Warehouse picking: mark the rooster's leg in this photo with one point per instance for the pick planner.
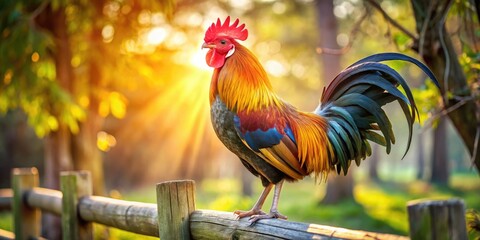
(257, 208)
(274, 209)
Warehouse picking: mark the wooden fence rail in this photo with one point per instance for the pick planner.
(45, 199)
(175, 217)
(6, 196)
(134, 217)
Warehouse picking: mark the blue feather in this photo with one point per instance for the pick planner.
(289, 133)
(259, 139)
(262, 139)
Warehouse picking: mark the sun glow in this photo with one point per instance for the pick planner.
(171, 116)
(197, 59)
(157, 35)
(176, 122)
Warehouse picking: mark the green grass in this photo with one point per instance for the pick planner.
(378, 207)
(6, 221)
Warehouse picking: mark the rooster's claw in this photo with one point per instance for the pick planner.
(250, 213)
(273, 214)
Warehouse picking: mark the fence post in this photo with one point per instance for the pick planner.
(75, 185)
(27, 220)
(175, 202)
(437, 219)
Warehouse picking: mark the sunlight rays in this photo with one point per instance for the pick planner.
(185, 123)
(176, 124)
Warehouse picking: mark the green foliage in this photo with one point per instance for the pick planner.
(402, 41)
(427, 100)
(470, 61)
(473, 223)
(28, 71)
(28, 78)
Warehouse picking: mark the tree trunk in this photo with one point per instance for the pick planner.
(373, 164)
(439, 54)
(338, 187)
(57, 156)
(247, 180)
(440, 163)
(86, 154)
(57, 143)
(420, 157)
(19, 146)
(327, 25)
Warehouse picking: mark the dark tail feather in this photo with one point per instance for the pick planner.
(382, 57)
(353, 103)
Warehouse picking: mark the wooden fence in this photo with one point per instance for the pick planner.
(175, 217)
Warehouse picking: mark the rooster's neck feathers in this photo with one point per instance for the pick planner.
(243, 84)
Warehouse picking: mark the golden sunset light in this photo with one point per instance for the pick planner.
(138, 119)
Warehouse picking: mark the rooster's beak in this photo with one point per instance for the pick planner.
(206, 45)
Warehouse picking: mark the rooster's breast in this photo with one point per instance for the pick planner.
(222, 121)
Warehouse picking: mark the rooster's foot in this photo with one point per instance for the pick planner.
(273, 214)
(250, 213)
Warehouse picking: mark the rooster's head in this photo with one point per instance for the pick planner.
(220, 39)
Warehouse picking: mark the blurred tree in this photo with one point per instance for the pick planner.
(440, 50)
(53, 21)
(37, 78)
(55, 68)
(19, 147)
(338, 187)
(373, 164)
(440, 164)
(247, 180)
(420, 157)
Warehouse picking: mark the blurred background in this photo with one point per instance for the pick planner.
(120, 88)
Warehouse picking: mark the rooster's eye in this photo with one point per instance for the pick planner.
(223, 42)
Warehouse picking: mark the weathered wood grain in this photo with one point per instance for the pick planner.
(175, 202)
(134, 217)
(75, 185)
(45, 199)
(207, 224)
(437, 219)
(26, 219)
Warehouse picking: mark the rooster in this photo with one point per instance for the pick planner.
(277, 142)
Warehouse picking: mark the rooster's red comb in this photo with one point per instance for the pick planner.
(233, 31)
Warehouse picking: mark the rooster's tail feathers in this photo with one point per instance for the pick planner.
(352, 104)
